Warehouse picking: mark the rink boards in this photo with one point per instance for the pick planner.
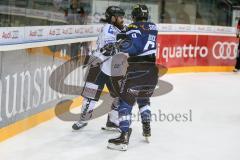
(25, 95)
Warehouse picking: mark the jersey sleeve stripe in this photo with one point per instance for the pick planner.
(134, 31)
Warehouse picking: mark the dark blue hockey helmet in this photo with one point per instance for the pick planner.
(140, 12)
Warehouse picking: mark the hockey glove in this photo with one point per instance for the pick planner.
(109, 49)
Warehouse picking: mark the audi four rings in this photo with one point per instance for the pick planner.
(225, 50)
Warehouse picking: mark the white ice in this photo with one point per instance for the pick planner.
(213, 133)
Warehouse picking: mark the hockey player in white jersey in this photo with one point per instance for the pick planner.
(99, 75)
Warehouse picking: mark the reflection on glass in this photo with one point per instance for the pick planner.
(78, 12)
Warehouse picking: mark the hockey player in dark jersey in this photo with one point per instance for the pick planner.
(142, 73)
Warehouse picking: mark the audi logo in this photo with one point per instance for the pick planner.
(225, 50)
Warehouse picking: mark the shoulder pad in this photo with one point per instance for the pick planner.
(132, 26)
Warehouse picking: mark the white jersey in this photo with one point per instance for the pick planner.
(112, 66)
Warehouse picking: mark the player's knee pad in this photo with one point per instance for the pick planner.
(143, 102)
(124, 108)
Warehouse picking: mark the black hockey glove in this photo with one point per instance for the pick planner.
(121, 36)
(110, 49)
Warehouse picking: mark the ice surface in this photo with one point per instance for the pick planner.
(213, 133)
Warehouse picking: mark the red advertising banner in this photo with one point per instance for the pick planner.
(196, 50)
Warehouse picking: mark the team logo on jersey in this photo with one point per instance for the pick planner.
(111, 30)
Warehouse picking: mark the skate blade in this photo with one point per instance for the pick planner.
(120, 147)
(147, 140)
(79, 128)
(111, 129)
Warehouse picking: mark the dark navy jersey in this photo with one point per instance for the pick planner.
(142, 39)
